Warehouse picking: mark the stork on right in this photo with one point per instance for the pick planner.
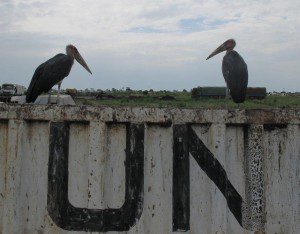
(234, 70)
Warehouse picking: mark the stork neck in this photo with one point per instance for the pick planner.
(229, 50)
(71, 55)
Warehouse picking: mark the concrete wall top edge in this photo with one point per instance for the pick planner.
(163, 116)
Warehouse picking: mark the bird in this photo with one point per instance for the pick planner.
(234, 70)
(52, 72)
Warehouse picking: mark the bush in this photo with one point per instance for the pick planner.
(196, 93)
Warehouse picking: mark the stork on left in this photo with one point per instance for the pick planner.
(52, 72)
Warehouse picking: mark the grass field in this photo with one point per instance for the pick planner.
(183, 99)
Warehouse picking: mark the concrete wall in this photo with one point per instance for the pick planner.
(148, 170)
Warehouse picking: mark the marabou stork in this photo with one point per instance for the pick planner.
(52, 72)
(234, 70)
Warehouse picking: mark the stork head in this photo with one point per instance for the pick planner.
(73, 52)
(227, 45)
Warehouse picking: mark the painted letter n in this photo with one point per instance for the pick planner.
(187, 142)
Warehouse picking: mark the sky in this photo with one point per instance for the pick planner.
(152, 44)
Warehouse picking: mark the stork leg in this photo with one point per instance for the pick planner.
(49, 97)
(58, 92)
(227, 97)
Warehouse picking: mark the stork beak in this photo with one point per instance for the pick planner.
(80, 60)
(220, 49)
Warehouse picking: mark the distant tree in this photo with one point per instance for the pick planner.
(184, 91)
(195, 93)
(145, 92)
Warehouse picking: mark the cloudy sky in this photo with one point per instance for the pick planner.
(158, 44)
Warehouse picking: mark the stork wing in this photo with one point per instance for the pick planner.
(48, 74)
(38, 73)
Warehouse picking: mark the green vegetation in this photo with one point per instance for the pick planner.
(182, 100)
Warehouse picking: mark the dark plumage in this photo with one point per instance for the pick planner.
(234, 70)
(235, 73)
(49, 74)
(52, 72)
